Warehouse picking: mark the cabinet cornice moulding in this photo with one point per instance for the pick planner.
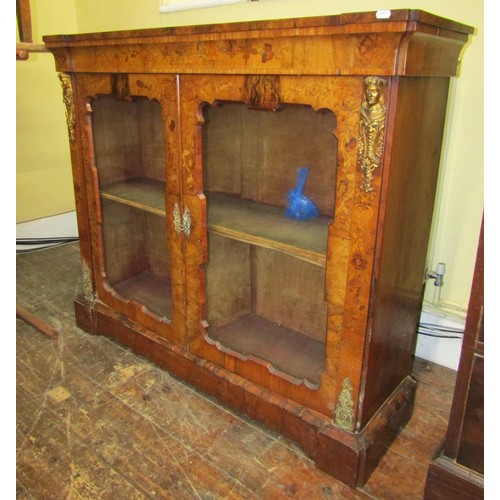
(410, 42)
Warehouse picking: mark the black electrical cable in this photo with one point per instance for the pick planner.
(439, 331)
(45, 241)
(42, 243)
(441, 336)
(440, 328)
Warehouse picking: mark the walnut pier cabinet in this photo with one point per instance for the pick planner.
(185, 144)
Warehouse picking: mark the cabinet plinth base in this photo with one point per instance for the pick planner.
(349, 457)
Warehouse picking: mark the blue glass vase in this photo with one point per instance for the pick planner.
(300, 207)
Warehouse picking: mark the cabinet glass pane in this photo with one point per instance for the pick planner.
(130, 160)
(265, 281)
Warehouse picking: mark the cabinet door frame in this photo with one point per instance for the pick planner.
(349, 241)
(160, 88)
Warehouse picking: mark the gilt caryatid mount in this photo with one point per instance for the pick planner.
(69, 104)
(371, 131)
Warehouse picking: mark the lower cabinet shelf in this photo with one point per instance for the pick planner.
(287, 353)
(154, 291)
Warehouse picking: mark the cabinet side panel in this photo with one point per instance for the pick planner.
(409, 185)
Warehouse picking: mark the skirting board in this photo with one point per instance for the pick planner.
(57, 226)
(440, 350)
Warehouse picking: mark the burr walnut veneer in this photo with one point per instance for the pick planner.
(185, 143)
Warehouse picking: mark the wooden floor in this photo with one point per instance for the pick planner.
(96, 421)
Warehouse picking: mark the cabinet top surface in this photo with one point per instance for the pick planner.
(400, 42)
(349, 23)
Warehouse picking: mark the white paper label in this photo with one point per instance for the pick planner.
(383, 14)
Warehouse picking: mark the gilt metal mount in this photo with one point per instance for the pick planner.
(344, 410)
(183, 225)
(371, 132)
(69, 103)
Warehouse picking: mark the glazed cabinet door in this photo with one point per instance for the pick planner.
(269, 167)
(133, 197)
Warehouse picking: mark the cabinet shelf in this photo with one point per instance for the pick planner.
(266, 226)
(285, 352)
(149, 289)
(242, 220)
(142, 193)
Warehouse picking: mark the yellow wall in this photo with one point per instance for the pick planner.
(460, 196)
(43, 167)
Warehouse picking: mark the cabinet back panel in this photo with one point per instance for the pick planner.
(124, 253)
(157, 248)
(242, 278)
(290, 292)
(256, 154)
(228, 289)
(134, 241)
(222, 143)
(153, 156)
(128, 139)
